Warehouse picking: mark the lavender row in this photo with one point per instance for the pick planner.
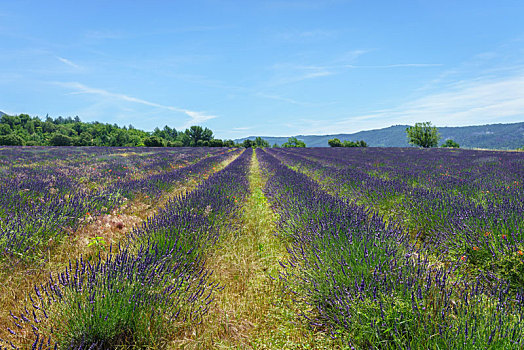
(37, 204)
(158, 279)
(159, 182)
(364, 282)
(487, 234)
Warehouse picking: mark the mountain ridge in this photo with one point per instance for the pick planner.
(489, 136)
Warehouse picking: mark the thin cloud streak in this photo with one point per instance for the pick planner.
(304, 72)
(398, 65)
(68, 62)
(475, 102)
(479, 101)
(283, 99)
(196, 117)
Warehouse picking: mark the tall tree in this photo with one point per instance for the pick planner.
(423, 135)
(196, 133)
(294, 142)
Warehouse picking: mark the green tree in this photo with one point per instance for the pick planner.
(153, 141)
(216, 143)
(423, 135)
(197, 133)
(450, 144)
(5, 129)
(175, 143)
(294, 142)
(11, 140)
(335, 143)
(260, 142)
(248, 143)
(229, 143)
(60, 140)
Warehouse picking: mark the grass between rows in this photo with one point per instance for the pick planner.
(18, 278)
(251, 312)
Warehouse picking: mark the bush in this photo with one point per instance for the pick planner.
(175, 143)
(154, 141)
(294, 142)
(335, 143)
(450, 144)
(60, 140)
(216, 143)
(11, 140)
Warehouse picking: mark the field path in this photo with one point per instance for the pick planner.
(250, 312)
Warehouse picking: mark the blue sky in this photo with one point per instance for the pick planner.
(275, 68)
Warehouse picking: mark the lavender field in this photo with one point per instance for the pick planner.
(365, 248)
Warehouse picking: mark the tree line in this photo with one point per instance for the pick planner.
(25, 130)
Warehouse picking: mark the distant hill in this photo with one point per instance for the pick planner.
(2, 113)
(492, 136)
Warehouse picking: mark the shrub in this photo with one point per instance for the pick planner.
(450, 144)
(154, 141)
(11, 140)
(60, 140)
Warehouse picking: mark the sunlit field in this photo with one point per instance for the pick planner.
(272, 248)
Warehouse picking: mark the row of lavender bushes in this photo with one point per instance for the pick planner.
(40, 201)
(364, 282)
(142, 291)
(466, 205)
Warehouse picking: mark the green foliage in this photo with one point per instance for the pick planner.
(11, 140)
(248, 143)
(176, 143)
(294, 142)
(5, 129)
(197, 133)
(451, 144)
(216, 143)
(33, 131)
(60, 140)
(153, 141)
(423, 135)
(360, 143)
(257, 143)
(260, 142)
(335, 143)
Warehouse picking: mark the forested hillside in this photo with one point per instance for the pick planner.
(32, 131)
(492, 136)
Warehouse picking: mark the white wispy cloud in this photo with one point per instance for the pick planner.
(477, 101)
(291, 73)
(79, 88)
(242, 128)
(397, 65)
(68, 62)
(282, 98)
(286, 73)
(307, 35)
